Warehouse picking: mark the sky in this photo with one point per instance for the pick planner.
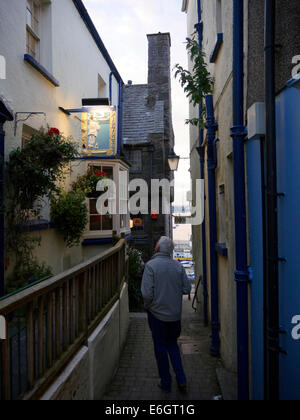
(123, 26)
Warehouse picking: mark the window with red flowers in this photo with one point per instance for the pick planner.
(100, 226)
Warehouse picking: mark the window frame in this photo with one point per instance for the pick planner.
(117, 166)
(32, 32)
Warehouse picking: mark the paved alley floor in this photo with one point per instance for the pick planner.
(137, 376)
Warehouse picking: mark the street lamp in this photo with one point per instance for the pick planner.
(173, 160)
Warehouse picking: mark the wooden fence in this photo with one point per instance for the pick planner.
(48, 323)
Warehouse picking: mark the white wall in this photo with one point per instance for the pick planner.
(76, 63)
(74, 59)
(221, 70)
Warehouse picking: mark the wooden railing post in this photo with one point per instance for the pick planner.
(57, 323)
(65, 316)
(71, 311)
(6, 364)
(40, 346)
(49, 329)
(30, 345)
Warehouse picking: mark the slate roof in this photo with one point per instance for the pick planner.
(139, 118)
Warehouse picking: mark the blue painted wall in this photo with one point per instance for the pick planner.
(288, 168)
(288, 140)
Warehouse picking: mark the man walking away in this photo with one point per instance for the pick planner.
(163, 285)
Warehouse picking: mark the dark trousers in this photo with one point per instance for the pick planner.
(165, 336)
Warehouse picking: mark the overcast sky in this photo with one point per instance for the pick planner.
(123, 26)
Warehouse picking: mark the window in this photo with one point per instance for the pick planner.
(33, 29)
(222, 215)
(101, 87)
(27, 133)
(219, 16)
(99, 222)
(219, 31)
(100, 226)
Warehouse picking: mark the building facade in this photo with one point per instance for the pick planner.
(253, 320)
(58, 74)
(147, 140)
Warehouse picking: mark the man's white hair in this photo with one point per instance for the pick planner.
(165, 245)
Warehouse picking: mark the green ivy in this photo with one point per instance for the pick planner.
(32, 173)
(70, 215)
(196, 83)
(34, 170)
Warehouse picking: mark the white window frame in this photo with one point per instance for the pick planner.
(117, 167)
(32, 31)
(123, 195)
(219, 17)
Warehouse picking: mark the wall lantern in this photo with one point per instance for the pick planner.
(173, 160)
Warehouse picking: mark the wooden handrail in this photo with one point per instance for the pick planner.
(48, 322)
(19, 299)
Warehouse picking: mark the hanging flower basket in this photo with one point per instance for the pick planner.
(87, 184)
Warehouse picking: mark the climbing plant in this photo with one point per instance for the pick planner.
(136, 266)
(198, 82)
(70, 215)
(33, 173)
(87, 183)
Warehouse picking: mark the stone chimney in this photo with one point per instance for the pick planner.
(159, 68)
(159, 89)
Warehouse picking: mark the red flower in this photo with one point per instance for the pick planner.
(53, 132)
(101, 173)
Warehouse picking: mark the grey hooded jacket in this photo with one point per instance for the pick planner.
(163, 285)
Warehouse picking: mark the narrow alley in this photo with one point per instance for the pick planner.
(137, 377)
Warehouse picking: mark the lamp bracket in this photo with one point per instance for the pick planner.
(28, 115)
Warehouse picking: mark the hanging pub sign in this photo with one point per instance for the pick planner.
(99, 131)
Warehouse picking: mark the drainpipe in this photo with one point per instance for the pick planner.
(212, 128)
(201, 151)
(110, 87)
(272, 284)
(238, 134)
(120, 116)
(120, 113)
(204, 264)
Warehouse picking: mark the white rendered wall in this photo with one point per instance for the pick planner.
(75, 61)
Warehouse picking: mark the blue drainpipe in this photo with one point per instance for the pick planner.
(201, 151)
(110, 87)
(120, 113)
(120, 116)
(238, 133)
(212, 128)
